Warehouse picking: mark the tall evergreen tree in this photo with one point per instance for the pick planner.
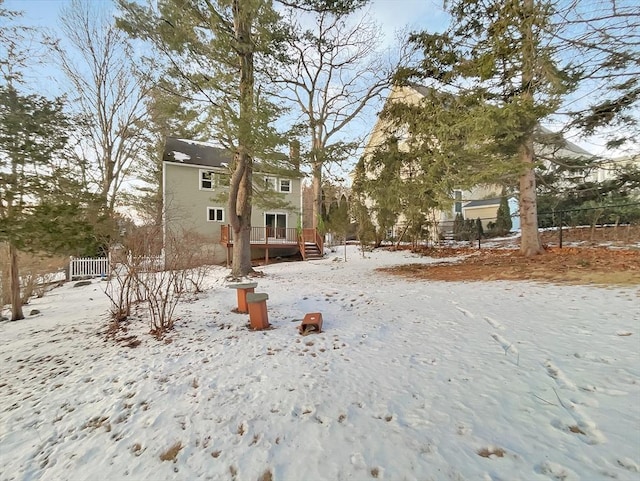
(33, 130)
(494, 77)
(44, 206)
(214, 49)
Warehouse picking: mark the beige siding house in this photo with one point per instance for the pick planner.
(195, 184)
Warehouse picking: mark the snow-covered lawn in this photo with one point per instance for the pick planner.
(408, 381)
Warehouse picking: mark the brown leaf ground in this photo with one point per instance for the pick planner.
(571, 265)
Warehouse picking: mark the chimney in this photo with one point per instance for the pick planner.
(294, 154)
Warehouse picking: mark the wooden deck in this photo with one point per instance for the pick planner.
(269, 238)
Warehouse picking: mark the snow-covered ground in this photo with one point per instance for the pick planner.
(410, 380)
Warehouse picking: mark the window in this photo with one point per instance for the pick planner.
(457, 195)
(215, 214)
(285, 185)
(270, 183)
(223, 180)
(209, 179)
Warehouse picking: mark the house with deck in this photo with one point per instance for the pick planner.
(195, 187)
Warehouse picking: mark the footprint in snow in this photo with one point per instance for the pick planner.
(465, 312)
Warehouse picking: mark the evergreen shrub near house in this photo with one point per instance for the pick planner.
(470, 230)
(458, 227)
(503, 222)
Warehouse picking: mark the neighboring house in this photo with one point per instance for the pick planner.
(481, 201)
(463, 201)
(195, 185)
(611, 168)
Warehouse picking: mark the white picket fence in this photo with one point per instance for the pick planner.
(83, 267)
(80, 267)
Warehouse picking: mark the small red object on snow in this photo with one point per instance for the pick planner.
(312, 322)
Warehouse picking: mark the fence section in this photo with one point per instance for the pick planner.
(80, 267)
(83, 267)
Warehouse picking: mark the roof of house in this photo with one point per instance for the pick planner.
(482, 203)
(195, 153)
(576, 149)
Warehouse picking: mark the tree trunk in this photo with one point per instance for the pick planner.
(14, 276)
(317, 192)
(241, 257)
(240, 191)
(530, 244)
(5, 297)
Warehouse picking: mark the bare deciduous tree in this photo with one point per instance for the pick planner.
(337, 72)
(107, 91)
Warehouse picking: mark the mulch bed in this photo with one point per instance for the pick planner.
(572, 265)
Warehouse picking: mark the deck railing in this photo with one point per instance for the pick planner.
(263, 235)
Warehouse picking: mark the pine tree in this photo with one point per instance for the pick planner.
(216, 66)
(458, 227)
(36, 213)
(494, 77)
(479, 231)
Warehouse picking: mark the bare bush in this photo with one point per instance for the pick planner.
(120, 288)
(124, 287)
(158, 281)
(34, 283)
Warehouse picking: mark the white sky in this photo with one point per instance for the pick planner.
(410, 380)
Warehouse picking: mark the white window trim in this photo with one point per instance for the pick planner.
(280, 185)
(201, 180)
(209, 209)
(216, 179)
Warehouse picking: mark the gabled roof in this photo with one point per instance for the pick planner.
(570, 146)
(195, 153)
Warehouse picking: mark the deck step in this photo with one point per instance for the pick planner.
(312, 251)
